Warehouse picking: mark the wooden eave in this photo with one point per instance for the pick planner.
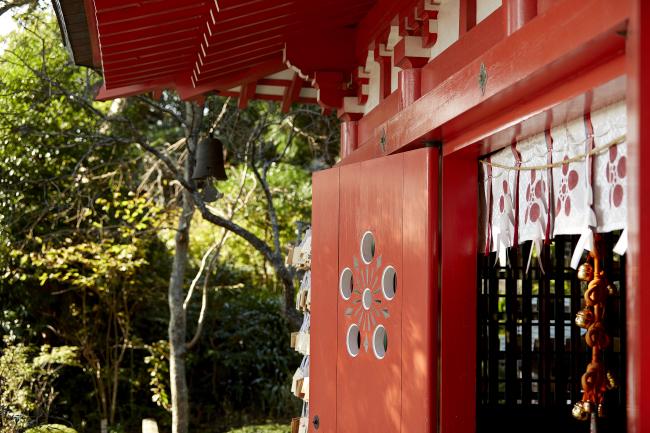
(74, 26)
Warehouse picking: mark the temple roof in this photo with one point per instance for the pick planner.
(201, 46)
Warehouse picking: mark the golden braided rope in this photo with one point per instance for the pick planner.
(593, 152)
(596, 380)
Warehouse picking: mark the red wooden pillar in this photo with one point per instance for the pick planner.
(467, 16)
(410, 57)
(409, 86)
(457, 372)
(638, 284)
(517, 13)
(349, 134)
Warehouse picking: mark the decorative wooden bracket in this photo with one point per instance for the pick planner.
(330, 89)
(292, 92)
(361, 79)
(247, 93)
(409, 53)
(384, 58)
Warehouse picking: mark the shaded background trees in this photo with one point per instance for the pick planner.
(88, 211)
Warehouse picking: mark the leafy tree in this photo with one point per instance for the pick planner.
(27, 382)
(78, 247)
(90, 189)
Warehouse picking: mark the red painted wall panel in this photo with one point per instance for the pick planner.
(420, 282)
(324, 280)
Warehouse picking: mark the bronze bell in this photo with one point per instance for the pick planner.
(584, 318)
(209, 160)
(579, 412)
(586, 272)
(588, 406)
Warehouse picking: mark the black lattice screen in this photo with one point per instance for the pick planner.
(530, 354)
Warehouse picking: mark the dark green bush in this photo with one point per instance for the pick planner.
(244, 364)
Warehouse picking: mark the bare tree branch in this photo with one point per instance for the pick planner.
(8, 5)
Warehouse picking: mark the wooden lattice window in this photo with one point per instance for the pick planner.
(531, 355)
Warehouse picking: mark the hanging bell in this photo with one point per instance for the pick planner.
(601, 411)
(612, 289)
(584, 318)
(209, 160)
(579, 412)
(588, 406)
(586, 272)
(611, 381)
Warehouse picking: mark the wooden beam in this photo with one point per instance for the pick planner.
(256, 71)
(539, 55)
(375, 22)
(291, 93)
(105, 94)
(247, 93)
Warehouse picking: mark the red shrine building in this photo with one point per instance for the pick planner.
(476, 254)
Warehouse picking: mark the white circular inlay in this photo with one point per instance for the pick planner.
(366, 299)
(367, 247)
(346, 283)
(353, 341)
(389, 282)
(380, 342)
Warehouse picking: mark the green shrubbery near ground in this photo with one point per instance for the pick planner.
(265, 428)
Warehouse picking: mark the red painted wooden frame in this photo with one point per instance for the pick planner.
(638, 284)
(580, 63)
(571, 38)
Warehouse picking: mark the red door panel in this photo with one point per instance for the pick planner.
(373, 305)
(369, 382)
(420, 302)
(324, 281)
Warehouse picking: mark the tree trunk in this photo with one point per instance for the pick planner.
(176, 293)
(289, 293)
(177, 324)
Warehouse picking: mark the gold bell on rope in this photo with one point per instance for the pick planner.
(611, 381)
(579, 411)
(612, 290)
(585, 272)
(584, 318)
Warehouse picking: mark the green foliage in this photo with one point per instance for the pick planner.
(264, 428)
(48, 155)
(246, 360)
(158, 367)
(51, 428)
(84, 219)
(26, 382)
(291, 187)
